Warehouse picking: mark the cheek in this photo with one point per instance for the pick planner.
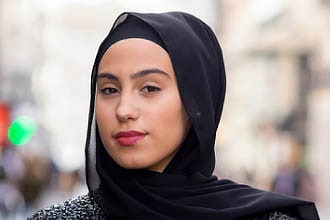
(169, 118)
(104, 116)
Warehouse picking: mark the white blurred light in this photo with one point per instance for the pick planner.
(66, 157)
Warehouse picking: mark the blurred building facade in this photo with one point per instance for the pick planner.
(279, 95)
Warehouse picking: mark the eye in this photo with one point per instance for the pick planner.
(150, 89)
(109, 91)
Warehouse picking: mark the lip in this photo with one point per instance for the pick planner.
(129, 138)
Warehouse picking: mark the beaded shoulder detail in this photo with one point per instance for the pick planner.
(82, 207)
(277, 216)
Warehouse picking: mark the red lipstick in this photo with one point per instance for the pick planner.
(128, 138)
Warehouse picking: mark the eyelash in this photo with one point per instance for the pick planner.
(145, 89)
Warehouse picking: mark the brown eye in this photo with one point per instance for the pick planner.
(150, 89)
(109, 91)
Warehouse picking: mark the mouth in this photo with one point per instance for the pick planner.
(129, 138)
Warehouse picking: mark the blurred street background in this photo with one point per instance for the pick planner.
(274, 133)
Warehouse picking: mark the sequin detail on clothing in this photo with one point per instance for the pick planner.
(82, 207)
(280, 216)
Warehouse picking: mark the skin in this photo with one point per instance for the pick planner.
(137, 90)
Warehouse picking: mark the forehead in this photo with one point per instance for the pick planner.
(135, 53)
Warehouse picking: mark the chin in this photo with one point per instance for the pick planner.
(132, 166)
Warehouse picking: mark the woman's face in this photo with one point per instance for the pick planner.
(139, 113)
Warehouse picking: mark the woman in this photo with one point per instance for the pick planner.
(157, 93)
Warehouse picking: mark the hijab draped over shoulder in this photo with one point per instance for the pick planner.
(186, 189)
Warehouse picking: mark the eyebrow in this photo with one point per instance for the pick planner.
(136, 75)
(149, 71)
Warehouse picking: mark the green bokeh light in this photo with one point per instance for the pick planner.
(21, 130)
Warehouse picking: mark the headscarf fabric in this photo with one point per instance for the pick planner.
(186, 189)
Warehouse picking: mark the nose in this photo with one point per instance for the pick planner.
(126, 109)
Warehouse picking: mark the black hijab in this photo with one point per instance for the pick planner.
(186, 189)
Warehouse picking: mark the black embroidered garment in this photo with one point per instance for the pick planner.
(84, 207)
